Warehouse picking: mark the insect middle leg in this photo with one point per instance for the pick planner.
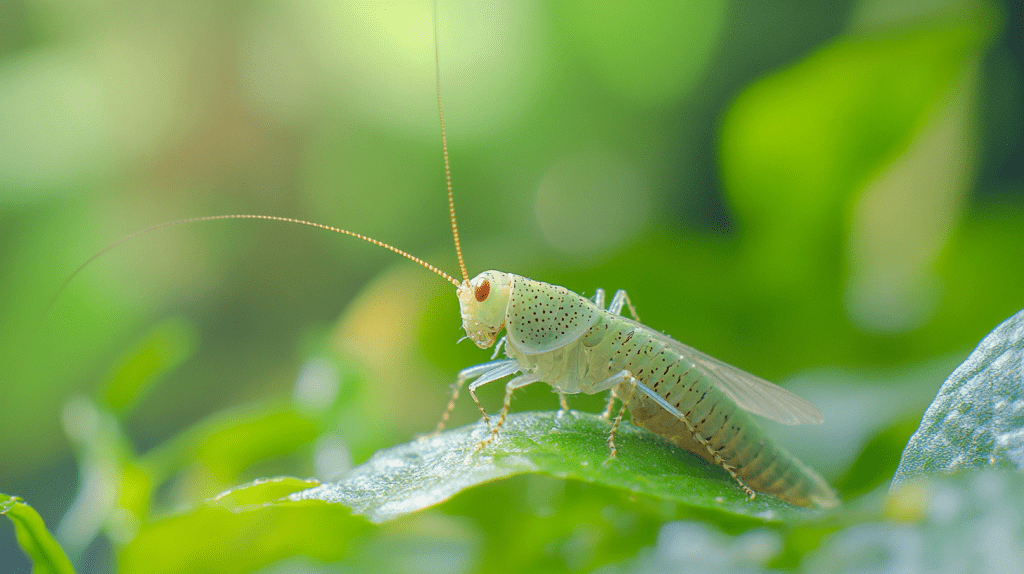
(615, 307)
(618, 419)
(618, 300)
(610, 383)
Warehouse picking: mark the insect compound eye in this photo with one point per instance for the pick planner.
(483, 290)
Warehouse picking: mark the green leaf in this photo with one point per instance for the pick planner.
(801, 143)
(976, 419)
(242, 530)
(877, 460)
(47, 556)
(260, 491)
(425, 472)
(167, 346)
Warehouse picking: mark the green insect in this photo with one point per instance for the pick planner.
(578, 345)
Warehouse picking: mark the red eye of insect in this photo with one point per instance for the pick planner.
(483, 290)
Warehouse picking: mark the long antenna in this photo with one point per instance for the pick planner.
(448, 182)
(444, 148)
(114, 244)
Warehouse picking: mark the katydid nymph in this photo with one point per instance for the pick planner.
(575, 344)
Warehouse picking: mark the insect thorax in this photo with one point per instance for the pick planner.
(543, 317)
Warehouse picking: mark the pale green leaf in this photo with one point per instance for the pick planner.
(976, 420)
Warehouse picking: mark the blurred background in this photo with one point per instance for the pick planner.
(828, 196)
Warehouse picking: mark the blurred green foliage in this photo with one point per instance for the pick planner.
(33, 537)
(791, 190)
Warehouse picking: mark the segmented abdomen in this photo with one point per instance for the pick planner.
(719, 427)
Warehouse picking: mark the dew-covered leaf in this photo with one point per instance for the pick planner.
(425, 472)
(33, 537)
(977, 418)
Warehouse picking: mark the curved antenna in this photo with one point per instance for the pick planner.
(448, 182)
(444, 148)
(114, 244)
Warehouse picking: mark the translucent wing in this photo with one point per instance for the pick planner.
(752, 394)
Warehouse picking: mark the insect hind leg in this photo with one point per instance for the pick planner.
(650, 393)
(626, 376)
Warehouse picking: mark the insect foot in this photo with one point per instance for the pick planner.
(490, 438)
(732, 472)
(615, 429)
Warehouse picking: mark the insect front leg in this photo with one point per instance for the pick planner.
(497, 348)
(502, 369)
(510, 387)
(484, 373)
